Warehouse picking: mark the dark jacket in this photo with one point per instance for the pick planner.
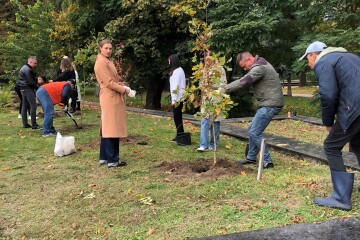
(265, 82)
(338, 72)
(64, 76)
(27, 78)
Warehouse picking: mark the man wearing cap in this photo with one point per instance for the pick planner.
(50, 94)
(338, 72)
(266, 86)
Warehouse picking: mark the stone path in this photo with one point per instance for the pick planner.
(278, 142)
(340, 229)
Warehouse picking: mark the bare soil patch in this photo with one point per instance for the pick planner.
(203, 168)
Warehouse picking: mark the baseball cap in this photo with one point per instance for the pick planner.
(314, 47)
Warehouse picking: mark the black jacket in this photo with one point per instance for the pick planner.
(64, 76)
(27, 78)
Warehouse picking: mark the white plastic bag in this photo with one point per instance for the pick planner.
(64, 145)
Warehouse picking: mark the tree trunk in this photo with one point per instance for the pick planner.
(302, 79)
(289, 92)
(154, 92)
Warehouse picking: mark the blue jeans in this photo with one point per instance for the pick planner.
(257, 126)
(204, 133)
(48, 109)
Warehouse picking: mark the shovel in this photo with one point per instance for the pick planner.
(66, 110)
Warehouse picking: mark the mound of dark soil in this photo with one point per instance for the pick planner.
(203, 168)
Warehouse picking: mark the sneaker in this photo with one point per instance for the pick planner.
(19, 116)
(174, 139)
(49, 135)
(246, 161)
(29, 117)
(268, 165)
(117, 164)
(102, 162)
(27, 126)
(202, 149)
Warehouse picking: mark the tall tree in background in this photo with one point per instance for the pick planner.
(7, 19)
(28, 36)
(148, 35)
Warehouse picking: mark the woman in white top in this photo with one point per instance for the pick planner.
(177, 88)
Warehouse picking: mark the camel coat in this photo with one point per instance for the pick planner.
(112, 99)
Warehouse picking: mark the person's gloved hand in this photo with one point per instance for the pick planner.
(222, 90)
(130, 93)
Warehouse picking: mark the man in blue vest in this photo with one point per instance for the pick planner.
(338, 72)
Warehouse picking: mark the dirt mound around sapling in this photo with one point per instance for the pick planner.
(203, 168)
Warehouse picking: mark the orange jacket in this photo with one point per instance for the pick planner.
(58, 92)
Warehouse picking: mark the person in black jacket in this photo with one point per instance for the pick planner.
(27, 84)
(67, 72)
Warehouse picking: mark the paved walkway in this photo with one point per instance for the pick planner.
(340, 229)
(278, 142)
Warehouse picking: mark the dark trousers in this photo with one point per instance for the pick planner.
(75, 104)
(28, 102)
(337, 139)
(177, 111)
(109, 149)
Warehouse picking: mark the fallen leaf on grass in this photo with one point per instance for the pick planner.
(167, 180)
(228, 146)
(150, 231)
(5, 169)
(74, 226)
(91, 195)
(243, 173)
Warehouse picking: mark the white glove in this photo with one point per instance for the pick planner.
(132, 93)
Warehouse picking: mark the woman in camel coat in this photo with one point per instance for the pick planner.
(112, 103)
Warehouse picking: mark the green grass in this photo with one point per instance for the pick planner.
(301, 90)
(302, 105)
(47, 197)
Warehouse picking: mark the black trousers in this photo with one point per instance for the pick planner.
(28, 103)
(177, 111)
(337, 139)
(109, 149)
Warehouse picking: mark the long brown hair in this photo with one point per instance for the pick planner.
(66, 65)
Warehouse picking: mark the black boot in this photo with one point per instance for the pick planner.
(73, 107)
(343, 183)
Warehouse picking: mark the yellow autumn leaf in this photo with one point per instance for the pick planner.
(5, 169)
